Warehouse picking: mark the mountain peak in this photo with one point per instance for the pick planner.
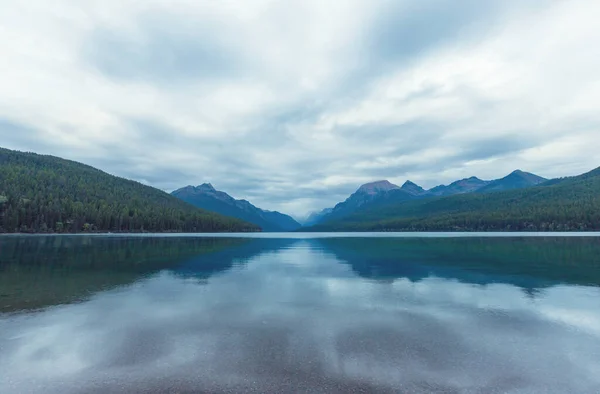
(206, 186)
(377, 187)
(412, 188)
(461, 186)
(527, 175)
(515, 180)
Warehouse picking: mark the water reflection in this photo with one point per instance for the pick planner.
(324, 315)
(36, 272)
(526, 262)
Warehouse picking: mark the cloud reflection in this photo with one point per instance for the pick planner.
(294, 317)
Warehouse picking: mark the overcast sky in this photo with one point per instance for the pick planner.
(294, 104)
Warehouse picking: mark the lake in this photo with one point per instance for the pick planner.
(277, 313)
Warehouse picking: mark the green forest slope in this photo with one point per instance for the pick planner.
(48, 194)
(568, 204)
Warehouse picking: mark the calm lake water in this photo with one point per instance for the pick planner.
(308, 313)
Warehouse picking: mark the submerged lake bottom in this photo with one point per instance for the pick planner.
(277, 313)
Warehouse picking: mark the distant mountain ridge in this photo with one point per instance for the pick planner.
(466, 185)
(385, 192)
(515, 180)
(205, 196)
(565, 204)
(365, 195)
(315, 217)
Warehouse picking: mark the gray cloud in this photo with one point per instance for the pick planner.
(16, 135)
(169, 49)
(408, 30)
(404, 32)
(294, 107)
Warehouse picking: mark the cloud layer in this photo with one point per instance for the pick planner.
(293, 105)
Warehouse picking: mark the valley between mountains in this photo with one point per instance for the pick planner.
(46, 194)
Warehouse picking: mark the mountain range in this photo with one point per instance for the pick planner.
(46, 194)
(518, 202)
(207, 197)
(384, 192)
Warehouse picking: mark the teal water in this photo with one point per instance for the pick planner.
(300, 313)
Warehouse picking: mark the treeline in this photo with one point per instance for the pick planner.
(569, 204)
(45, 194)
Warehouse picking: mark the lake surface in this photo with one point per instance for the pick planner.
(300, 313)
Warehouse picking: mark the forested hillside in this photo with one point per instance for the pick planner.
(48, 194)
(569, 204)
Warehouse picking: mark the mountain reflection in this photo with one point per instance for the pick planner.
(347, 315)
(528, 262)
(219, 260)
(36, 272)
